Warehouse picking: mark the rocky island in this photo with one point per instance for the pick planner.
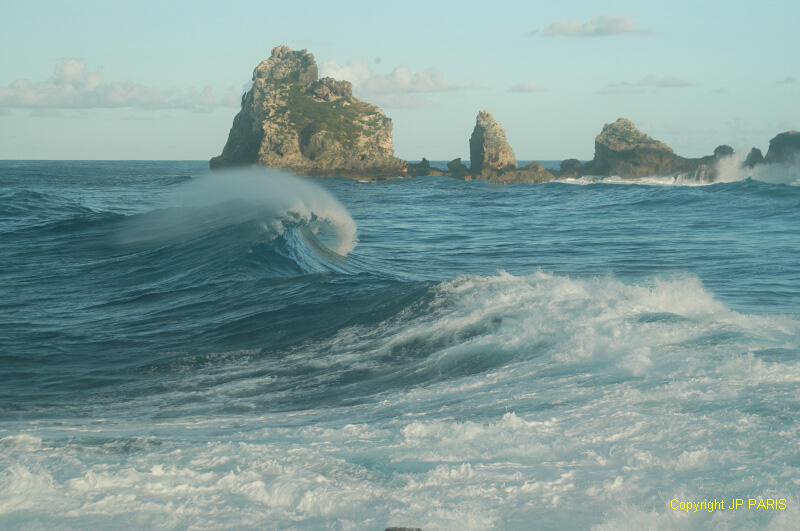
(291, 119)
(622, 150)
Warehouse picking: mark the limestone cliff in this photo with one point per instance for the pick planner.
(292, 120)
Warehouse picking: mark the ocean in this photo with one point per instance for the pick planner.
(187, 350)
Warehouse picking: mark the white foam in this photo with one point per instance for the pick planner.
(595, 402)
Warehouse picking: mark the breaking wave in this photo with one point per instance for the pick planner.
(590, 391)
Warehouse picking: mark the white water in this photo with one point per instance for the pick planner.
(541, 401)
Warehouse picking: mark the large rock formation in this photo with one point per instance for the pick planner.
(290, 119)
(784, 148)
(489, 152)
(621, 149)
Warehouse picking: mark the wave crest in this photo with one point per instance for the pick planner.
(276, 200)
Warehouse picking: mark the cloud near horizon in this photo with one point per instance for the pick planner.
(645, 84)
(401, 88)
(73, 86)
(526, 87)
(601, 26)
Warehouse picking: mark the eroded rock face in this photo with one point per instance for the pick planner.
(621, 149)
(784, 148)
(292, 120)
(489, 151)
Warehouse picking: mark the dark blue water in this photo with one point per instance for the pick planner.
(181, 349)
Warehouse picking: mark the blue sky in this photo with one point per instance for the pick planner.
(159, 80)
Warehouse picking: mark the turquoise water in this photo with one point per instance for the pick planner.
(253, 350)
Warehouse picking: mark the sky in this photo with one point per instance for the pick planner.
(87, 79)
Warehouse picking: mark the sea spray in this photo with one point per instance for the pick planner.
(239, 195)
(731, 169)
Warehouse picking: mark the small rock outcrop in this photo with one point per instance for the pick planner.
(784, 148)
(533, 173)
(621, 149)
(457, 169)
(493, 160)
(489, 152)
(754, 157)
(723, 151)
(570, 168)
(420, 168)
(292, 120)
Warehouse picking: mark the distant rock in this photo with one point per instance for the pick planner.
(570, 168)
(621, 149)
(723, 151)
(420, 168)
(489, 152)
(784, 148)
(533, 173)
(623, 136)
(493, 160)
(457, 169)
(754, 157)
(290, 119)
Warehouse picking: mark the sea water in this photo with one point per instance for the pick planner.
(180, 349)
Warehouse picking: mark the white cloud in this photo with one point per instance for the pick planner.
(527, 86)
(646, 84)
(73, 86)
(602, 26)
(400, 88)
